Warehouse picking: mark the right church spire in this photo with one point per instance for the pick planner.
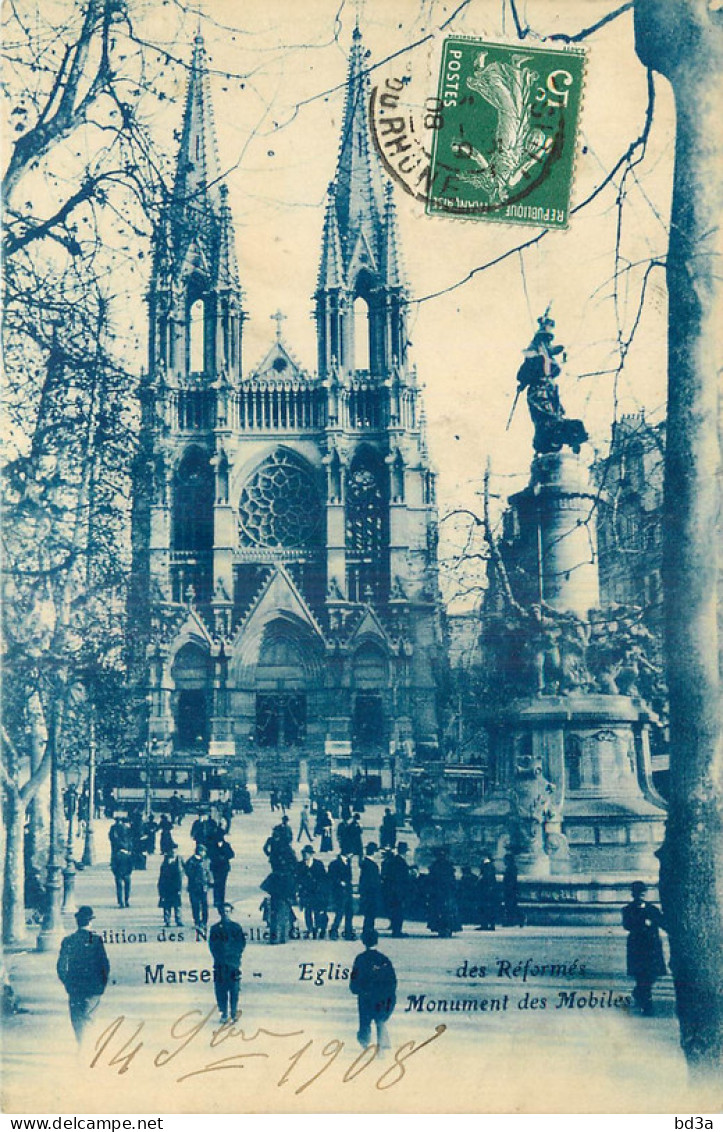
(361, 294)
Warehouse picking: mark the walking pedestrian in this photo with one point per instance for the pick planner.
(374, 982)
(220, 857)
(304, 826)
(340, 887)
(511, 893)
(175, 808)
(396, 888)
(83, 969)
(226, 942)
(355, 842)
(388, 830)
(487, 896)
(370, 888)
(121, 864)
(170, 887)
(200, 880)
(646, 963)
(443, 915)
(166, 826)
(313, 895)
(326, 823)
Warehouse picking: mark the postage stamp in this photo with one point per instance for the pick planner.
(504, 137)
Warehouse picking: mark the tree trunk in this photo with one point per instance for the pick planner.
(684, 42)
(14, 930)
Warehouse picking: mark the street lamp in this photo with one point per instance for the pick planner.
(70, 802)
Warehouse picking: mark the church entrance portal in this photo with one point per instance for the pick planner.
(282, 706)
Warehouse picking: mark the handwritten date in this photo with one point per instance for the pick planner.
(118, 1049)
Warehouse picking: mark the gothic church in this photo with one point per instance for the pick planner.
(284, 598)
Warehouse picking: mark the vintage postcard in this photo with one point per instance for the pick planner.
(359, 418)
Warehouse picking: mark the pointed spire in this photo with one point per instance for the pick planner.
(228, 273)
(392, 263)
(198, 169)
(331, 268)
(359, 200)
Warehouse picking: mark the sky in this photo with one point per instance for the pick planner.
(277, 80)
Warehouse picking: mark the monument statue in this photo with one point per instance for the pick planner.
(538, 375)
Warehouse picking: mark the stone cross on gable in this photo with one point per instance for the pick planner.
(278, 318)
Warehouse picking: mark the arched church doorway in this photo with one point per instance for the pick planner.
(286, 687)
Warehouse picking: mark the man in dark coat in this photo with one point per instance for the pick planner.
(396, 886)
(83, 969)
(646, 963)
(119, 835)
(356, 845)
(370, 889)
(175, 808)
(170, 887)
(388, 830)
(220, 856)
(374, 982)
(339, 874)
(226, 941)
(199, 882)
(343, 837)
(121, 864)
(487, 896)
(442, 896)
(313, 895)
(511, 892)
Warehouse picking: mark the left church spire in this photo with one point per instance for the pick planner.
(196, 300)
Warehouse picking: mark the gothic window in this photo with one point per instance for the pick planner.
(196, 335)
(192, 527)
(280, 506)
(361, 334)
(366, 526)
(191, 677)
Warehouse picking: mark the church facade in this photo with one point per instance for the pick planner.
(284, 603)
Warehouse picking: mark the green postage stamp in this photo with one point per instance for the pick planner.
(505, 132)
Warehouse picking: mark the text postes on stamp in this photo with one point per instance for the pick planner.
(505, 134)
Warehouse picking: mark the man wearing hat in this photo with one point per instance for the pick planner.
(313, 896)
(226, 942)
(370, 888)
(374, 982)
(396, 885)
(644, 947)
(83, 969)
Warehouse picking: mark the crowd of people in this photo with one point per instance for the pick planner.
(304, 892)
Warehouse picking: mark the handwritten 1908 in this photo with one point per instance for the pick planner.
(188, 1030)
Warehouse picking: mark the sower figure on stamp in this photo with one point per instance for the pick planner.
(170, 887)
(374, 982)
(83, 969)
(646, 963)
(226, 941)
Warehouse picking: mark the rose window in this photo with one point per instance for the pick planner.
(279, 505)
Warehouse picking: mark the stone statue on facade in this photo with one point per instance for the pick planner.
(538, 375)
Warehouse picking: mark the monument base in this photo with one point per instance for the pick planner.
(580, 900)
